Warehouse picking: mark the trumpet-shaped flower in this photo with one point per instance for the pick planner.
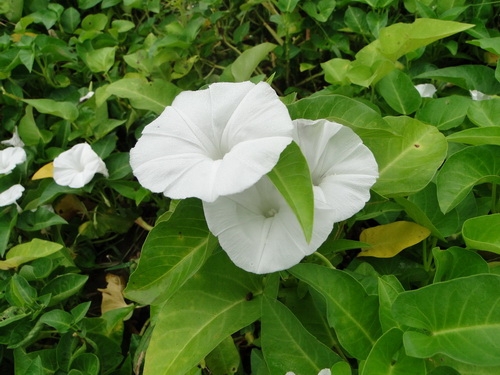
(10, 157)
(15, 140)
(325, 371)
(478, 95)
(426, 90)
(11, 195)
(258, 229)
(77, 166)
(213, 142)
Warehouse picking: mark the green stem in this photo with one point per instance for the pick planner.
(324, 260)
(494, 198)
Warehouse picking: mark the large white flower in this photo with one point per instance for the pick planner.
(426, 90)
(11, 195)
(213, 142)
(10, 157)
(77, 166)
(258, 229)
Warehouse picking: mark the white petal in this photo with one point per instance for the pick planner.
(478, 95)
(10, 157)
(325, 371)
(15, 140)
(11, 195)
(290, 373)
(259, 231)
(77, 166)
(342, 169)
(426, 90)
(213, 142)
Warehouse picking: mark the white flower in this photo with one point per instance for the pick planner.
(342, 168)
(10, 157)
(426, 90)
(478, 95)
(325, 371)
(11, 195)
(213, 142)
(77, 166)
(15, 140)
(86, 97)
(258, 229)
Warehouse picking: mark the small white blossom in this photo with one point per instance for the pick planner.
(15, 141)
(478, 95)
(426, 90)
(10, 157)
(77, 166)
(86, 96)
(325, 371)
(11, 195)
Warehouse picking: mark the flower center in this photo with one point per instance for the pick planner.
(270, 213)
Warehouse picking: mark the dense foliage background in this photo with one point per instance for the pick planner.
(98, 71)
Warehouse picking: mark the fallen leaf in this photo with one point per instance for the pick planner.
(390, 239)
(112, 295)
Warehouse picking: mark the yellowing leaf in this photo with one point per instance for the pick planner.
(45, 172)
(69, 206)
(388, 240)
(112, 295)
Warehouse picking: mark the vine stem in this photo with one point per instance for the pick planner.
(324, 260)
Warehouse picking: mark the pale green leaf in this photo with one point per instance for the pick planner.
(481, 233)
(292, 178)
(477, 136)
(389, 288)
(29, 251)
(243, 67)
(444, 113)
(398, 91)
(65, 110)
(224, 359)
(485, 112)
(457, 262)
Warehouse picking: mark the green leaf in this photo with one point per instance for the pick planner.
(477, 136)
(351, 311)
(320, 10)
(292, 178)
(70, 19)
(489, 44)
(19, 292)
(86, 363)
(203, 312)
(65, 110)
(7, 222)
(58, 319)
(463, 170)
(29, 251)
(153, 96)
(408, 157)
(242, 68)
(224, 359)
(381, 360)
(173, 252)
(481, 233)
(287, 5)
(468, 77)
(389, 288)
(398, 91)
(444, 113)
(484, 112)
(456, 262)
(98, 60)
(288, 346)
(355, 19)
(118, 165)
(63, 286)
(41, 218)
(30, 133)
(459, 318)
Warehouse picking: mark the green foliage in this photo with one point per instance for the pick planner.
(98, 71)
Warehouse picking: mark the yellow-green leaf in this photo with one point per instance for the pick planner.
(45, 172)
(388, 240)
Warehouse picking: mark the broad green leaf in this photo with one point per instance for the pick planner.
(86, 363)
(456, 262)
(41, 218)
(27, 252)
(459, 318)
(201, 314)
(408, 157)
(70, 19)
(153, 96)
(292, 178)
(481, 233)
(489, 44)
(118, 165)
(336, 71)
(58, 319)
(7, 222)
(388, 357)
(30, 133)
(449, 366)
(484, 112)
(468, 77)
(243, 67)
(477, 136)
(287, 5)
(389, 288)
(463, 170)
(389, 239)
(444, 113)
(224, 359)
(350, 310)
(19, 292)
(398, 91)
(95, 22)
(64, 286)
(355, 19)
(320, 10)
(173, 252)
(288, 346)
(338, 108)
(341, 368)
(65, 110)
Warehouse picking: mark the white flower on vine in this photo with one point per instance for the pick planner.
(426, 90)
(325, 371)
(258, 229)
(11, 195)
(10, 157)
(478, 95)
(77, 166)
(213, 142)
(15, 141)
